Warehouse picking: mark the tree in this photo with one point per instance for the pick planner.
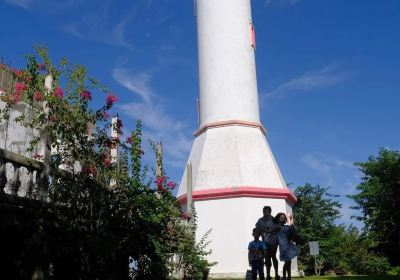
(91, 227)
(378, 198)
(314, 214)
(342, 249)
(354, 252)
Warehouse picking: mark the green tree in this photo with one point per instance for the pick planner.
(378, 198)
(315, 213)
(91, 227)
(355, 252)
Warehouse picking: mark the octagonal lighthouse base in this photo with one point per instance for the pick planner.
(234, 175)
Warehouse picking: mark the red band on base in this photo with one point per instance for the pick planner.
(229, 123)
(231, 192)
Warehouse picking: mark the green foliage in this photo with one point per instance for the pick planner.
(191, 256)
(100, 212)
(314, 215)
(395, 271)
(345, 250)
(378, 198)
(355, 253)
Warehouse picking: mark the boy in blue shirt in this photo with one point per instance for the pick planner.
(257, 251)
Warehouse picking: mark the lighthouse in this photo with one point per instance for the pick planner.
(231, 171)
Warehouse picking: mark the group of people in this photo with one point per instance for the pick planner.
(274, 231)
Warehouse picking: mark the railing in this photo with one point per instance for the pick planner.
(22, 176)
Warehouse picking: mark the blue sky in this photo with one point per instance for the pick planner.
(328, 74)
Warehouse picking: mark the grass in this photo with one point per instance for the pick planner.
(356, 277)
(353, 277)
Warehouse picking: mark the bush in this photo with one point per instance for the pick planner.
(394, 271)
(375, 265)
(102, 211)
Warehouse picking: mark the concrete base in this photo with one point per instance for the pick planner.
(231, 222)
(296, 273)
(234, 175)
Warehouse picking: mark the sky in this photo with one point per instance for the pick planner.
(328, 75)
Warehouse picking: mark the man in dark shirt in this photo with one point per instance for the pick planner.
(269, 235)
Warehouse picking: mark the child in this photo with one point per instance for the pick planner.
(257, 251)
(287, 248)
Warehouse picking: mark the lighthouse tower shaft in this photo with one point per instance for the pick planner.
(227, 73)
(233, 171)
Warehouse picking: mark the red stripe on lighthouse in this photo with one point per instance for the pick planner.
(229, 123)
(253, 36)
(232, 192)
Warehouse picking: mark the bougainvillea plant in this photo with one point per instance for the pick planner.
(101, 211)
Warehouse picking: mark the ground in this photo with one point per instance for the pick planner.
(383, 277)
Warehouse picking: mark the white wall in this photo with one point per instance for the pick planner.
(232, 156)
(232, 221)
(227, 74)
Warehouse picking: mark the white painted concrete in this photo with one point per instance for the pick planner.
(227, 73)
(232, 221)
(230, 156)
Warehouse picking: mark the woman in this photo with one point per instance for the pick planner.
(287, 248)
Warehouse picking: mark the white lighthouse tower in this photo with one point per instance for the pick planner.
(234, 173)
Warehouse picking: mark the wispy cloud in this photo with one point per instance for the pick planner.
(137, 83)
(329, 168)
(25, 4)
(98, 25)
(326, 77)
(316, 163)
(341, 176)
(39, 4)
(158, 123)
(289, 2)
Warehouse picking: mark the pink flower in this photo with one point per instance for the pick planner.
(86, 95)
(160, 188)
(171, 185)
(38, 96)
(160, 180)
(116, 139)
(110, 144)
(41, 66)
(111, 99)
(16, 97)
(106, 115)
(184, 216)
(20, 87)
(18, 73)
(107, 162)
(37, 156)
(58, 92)
(129, 140)
(90, 169)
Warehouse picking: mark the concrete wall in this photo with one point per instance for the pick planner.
(232, 221)
(227, 73)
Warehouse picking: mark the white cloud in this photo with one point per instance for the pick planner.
(137, 83)
(316, 163)
(311, 81)
(341, 176)
(98, 25)
(43, 5)
(330, 169)
(158, 123)
(25, 4)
